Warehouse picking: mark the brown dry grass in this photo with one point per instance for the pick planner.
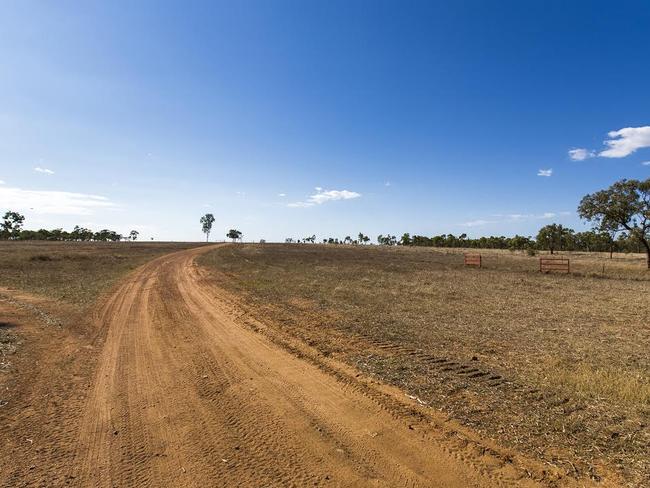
(74, 272)
(565, 358)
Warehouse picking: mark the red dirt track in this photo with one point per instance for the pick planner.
(179, 393)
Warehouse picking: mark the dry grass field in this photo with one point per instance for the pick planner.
(550, 364)
(74, 272)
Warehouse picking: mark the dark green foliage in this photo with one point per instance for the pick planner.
(623, 207)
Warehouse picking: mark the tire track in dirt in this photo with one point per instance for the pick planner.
(186, 396)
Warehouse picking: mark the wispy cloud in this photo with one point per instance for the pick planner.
(624, 142)
(46, 171)
(516, 217)
(2, 182)
(322, 196)
(580, 154)
(478, 223)
(646, 163)
(545, 172)
(513, 217)
(53, 202)
(282, 195)
(388, 183)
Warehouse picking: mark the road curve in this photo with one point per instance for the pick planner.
(184, 395)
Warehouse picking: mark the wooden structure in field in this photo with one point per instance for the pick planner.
(561, 265)
(473, 260)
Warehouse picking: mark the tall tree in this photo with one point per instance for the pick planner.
(206, 225)
(623, 207)
(12, 224)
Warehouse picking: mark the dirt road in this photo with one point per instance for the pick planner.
(182, 394)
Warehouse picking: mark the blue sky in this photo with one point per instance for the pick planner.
(319, 117)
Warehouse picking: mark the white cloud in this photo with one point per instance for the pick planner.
(326, 196)
(2, 182)
(282, 195)
(478, 223)
(512, 218)
(545, 172)
(53, 202)
(580, 154)
(624, 142)
(545, 215)
(322, 196)
(646, 163)
(388, 183)
(46, 171)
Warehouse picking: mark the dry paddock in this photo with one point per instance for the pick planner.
(552, 364)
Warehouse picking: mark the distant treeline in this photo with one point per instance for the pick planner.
(77, 234)
(11, 227)
(553, 237)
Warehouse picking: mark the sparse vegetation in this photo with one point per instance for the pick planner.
(571, 355)
(73, 272)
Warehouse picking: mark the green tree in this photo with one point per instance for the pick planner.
(553, 237)
(519, 242)
(102, 235)
(12, 224)
(623, 207)
(406, 239)
(386, 240)
(234, 234)
(133, 235)
(206, 225)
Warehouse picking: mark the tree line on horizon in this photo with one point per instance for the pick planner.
(552, 237)
(12, 224)
(620, 216)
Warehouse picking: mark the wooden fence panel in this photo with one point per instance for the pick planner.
(561, 265)
(473, 260)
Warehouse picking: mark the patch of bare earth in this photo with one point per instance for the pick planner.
(551, 365)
